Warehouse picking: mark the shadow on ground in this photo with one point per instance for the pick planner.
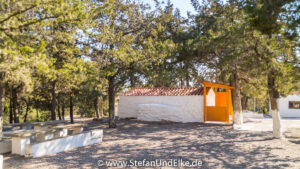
(216, 146)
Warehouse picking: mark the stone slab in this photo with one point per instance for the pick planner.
(68, 126)
(39, 125)
(29, 133)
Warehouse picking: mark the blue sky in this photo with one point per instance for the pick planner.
(182, 5)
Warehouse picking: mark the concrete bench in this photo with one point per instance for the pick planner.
(8, 128)
(53, 146)
(39, 125)
(17, 126)
(75, 128)
(5, 145)
(21, 138)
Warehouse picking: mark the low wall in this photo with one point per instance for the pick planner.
(156, 108)
(63, 144)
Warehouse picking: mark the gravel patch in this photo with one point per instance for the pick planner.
(216, 146)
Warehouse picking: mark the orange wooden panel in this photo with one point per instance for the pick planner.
(221, 98)
(217, 113)
(210, 84)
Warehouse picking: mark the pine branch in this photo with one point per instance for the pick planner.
(27, 24)
(17, 13)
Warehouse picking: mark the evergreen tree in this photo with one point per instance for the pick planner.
(124, 37)
(275, 19)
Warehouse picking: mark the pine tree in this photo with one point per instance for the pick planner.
(124, 37)
(274, 19)
(22, 49)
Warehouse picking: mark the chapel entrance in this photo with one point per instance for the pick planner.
(217, 102)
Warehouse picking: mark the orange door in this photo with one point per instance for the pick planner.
(221, 110)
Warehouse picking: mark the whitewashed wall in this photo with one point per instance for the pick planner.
(157, 108)
(284, 110)
(210, 98)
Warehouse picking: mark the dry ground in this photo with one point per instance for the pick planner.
(256, 122)
(215, 145)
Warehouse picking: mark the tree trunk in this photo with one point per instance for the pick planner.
(101, 107)
(58, 106)
(274, 96)
(26, 113)
(15, 105)
(181, 76)
(187, 75)
(244, 103)
(58, 111)
(111, 103)
(63, 111)
(71, 109)
(132, 80)
(37, 114)
(53, 115)
(181, 82)
(187, 78)
(11, 116)
(236, 100)
(96, 102)
(254, 104)
(2, 100)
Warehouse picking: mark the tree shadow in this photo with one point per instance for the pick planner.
(295, 141)
(217, 146)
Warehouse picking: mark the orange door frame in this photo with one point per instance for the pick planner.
(229, 101)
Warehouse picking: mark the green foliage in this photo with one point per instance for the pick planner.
(270, 17)
(81, 45)
(227, 43)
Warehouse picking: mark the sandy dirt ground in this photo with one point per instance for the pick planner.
(257, 122)
(216, 146)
